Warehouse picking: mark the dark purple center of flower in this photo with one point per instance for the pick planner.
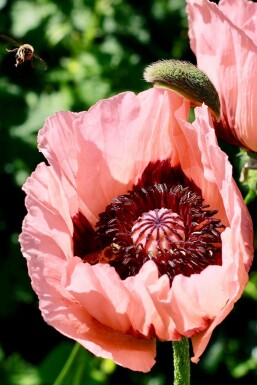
(165, 222)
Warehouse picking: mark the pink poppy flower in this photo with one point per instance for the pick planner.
(135, 230)
(224, 40)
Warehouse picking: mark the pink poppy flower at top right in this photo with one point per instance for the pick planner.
(224, 40)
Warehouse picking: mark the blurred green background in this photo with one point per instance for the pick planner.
(93, 49)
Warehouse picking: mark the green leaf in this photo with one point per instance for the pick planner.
(72, 364)
(14, 370)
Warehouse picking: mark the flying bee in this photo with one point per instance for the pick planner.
(24, 52)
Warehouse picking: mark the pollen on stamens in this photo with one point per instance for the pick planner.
(156, 230)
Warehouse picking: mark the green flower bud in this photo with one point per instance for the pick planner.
(185, 79)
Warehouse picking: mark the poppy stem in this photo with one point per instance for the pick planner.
(181, 362)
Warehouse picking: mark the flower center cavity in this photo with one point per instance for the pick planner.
(165, 223)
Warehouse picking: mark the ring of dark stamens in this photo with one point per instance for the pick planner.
(200, 248)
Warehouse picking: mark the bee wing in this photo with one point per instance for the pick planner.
(10, 40)
(41, 61)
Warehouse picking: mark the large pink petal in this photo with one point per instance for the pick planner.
(231, 63)
(47, 244)
(114, 157)
(149, 293)
(235, 280)
(200, 302)
(48, 226)
(210, 169)
(202, 160)
(71, 317)
(126, 306)
(243, 14)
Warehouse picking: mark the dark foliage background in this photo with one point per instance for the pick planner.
(93, 49)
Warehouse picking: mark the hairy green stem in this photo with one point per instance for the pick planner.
(181, 362)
